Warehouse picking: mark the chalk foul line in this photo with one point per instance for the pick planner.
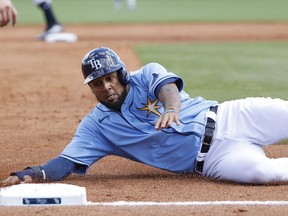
(192, 203)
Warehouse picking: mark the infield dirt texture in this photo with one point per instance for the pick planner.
(42, 101)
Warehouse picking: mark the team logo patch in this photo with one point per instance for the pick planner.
(151, 107)
(95, 64)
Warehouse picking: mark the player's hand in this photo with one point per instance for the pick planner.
(7, 13)
(166, 120)
(13, 180)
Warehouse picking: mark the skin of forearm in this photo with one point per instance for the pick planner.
(170, 97)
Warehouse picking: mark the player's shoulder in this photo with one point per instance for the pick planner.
(151, 67)
(154, 66)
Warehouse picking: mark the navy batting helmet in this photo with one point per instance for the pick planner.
(101, 61)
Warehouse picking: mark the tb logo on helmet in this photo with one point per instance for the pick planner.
(95, 64)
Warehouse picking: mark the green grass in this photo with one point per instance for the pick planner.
(225, 71)
(101, 11)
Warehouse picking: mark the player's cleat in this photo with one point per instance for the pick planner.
(54, 29)
(61, 37)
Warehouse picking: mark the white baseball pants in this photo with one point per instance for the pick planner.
(243, 127)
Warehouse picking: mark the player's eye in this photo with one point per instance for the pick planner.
(95, 83)
(110, 77)
(98, 83)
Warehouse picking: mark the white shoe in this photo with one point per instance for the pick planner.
(61, 37)
(54, 29)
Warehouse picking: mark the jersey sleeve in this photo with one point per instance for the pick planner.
(87, 145)
(155, 76)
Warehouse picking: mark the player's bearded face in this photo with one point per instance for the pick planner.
(109, 91)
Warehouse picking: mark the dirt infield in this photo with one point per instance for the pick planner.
(43, 99)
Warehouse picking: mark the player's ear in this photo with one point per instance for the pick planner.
(121, 77)
(89, 84)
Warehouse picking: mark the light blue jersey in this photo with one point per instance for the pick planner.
(131, 133)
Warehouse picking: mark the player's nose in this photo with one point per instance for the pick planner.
(106, 86)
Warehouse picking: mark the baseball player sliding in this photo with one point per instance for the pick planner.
(147, 117)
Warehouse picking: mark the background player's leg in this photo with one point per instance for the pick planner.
(131, 4)
(52, 25)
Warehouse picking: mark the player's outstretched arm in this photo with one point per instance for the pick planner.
(54, 170)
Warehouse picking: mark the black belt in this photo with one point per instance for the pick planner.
(208, 135)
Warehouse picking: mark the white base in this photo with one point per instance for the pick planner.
(43, 195)
(61, 37)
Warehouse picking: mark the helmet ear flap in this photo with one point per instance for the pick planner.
(123, 76)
